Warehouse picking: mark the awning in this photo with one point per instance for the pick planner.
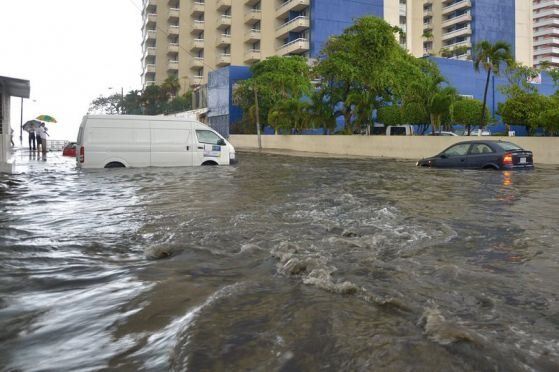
(15, 87)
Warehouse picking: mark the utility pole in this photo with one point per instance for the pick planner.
(21, 124)
(257, 118)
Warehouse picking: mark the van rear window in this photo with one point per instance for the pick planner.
(398, 131)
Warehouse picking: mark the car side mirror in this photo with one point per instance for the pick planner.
(221, 142)
(443, 156)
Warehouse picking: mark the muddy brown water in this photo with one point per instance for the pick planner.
(278, 264)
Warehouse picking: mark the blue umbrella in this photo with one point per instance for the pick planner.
(31, 125)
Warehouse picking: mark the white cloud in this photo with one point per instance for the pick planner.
(71, 51)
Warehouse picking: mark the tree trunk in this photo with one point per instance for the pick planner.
(485, 99)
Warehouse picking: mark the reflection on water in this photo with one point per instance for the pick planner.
(280, 263)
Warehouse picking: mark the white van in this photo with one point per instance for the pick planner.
(400, 130)
(111, 141)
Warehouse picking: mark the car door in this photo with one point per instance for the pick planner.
(209, 146)
(453, 157)
(480, 155)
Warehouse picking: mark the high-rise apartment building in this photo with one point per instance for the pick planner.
(189, 38)
(546, 32)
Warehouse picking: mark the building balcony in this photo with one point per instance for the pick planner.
(297, 46)
(252, 56)
(464, 43)
(549, 41)
(149, 6)
(223, 21)
(150, 51)
(427, 12)
(291, 6)
(297, 24)
(148, 83)
(428, 26)
(196, 80)
(547, 22)
(173, 66)
(252, 36)
(456, 20)
(173, 48)
(546, 51)
(554, 60)
(149, 68)
(457, 33)
(174, 13)
(547, 32)
(223, 40)
(223, 5)
(150, 20)
(173, 30)
(197, 8)
(196, 63)
(223, 59)
(545, 4)
(253, 16)
(197, 44)
(151, 35)
(197, 26)
(251, 2)
(464, 4)
(551, 12)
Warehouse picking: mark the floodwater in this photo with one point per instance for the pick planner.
(279, 264)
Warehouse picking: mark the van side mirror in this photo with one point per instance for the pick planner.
(221, 142)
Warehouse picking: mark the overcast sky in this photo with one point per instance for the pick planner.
(72, 51)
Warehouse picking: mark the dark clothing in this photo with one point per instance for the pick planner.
(32, 141)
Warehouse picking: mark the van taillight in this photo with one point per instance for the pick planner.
(507, 159)
(82, 154)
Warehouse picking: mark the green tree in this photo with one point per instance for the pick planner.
(490, 57)
(322, 111)
(110, 105)
(389, 115)
(365, 60)
(548, 120)
(290, 114)
(170, 87)
(416, 113)
(275, 79)
(467, 112)
(524, 108)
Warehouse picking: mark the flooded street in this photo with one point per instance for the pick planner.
(278, 264)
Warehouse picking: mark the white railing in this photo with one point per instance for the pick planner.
(296, 19)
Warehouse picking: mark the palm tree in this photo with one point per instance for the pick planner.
(171, 86)
(490, 57)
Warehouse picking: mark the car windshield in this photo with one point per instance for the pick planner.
(507, 146)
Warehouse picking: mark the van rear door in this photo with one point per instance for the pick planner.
(171, 146)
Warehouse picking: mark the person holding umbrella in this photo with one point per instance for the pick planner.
(42, 138)
(32, 140)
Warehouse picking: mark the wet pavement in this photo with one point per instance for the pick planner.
(280, 263)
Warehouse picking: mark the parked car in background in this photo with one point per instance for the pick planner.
(443, 133)
(69, 149)
(479, 132)
(400, 130)
(481, 155)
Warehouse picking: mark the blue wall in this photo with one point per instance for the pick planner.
(494, 20)
(221, 110)
(331, 17)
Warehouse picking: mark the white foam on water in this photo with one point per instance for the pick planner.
(75, 330)
(160, 346)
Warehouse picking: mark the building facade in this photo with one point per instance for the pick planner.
(546, 32)
(189, 38)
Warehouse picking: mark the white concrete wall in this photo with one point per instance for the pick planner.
(5, 136)
(545, 149)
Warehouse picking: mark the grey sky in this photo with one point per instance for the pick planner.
(72, 51)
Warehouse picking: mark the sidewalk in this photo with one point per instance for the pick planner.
(25, 161)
